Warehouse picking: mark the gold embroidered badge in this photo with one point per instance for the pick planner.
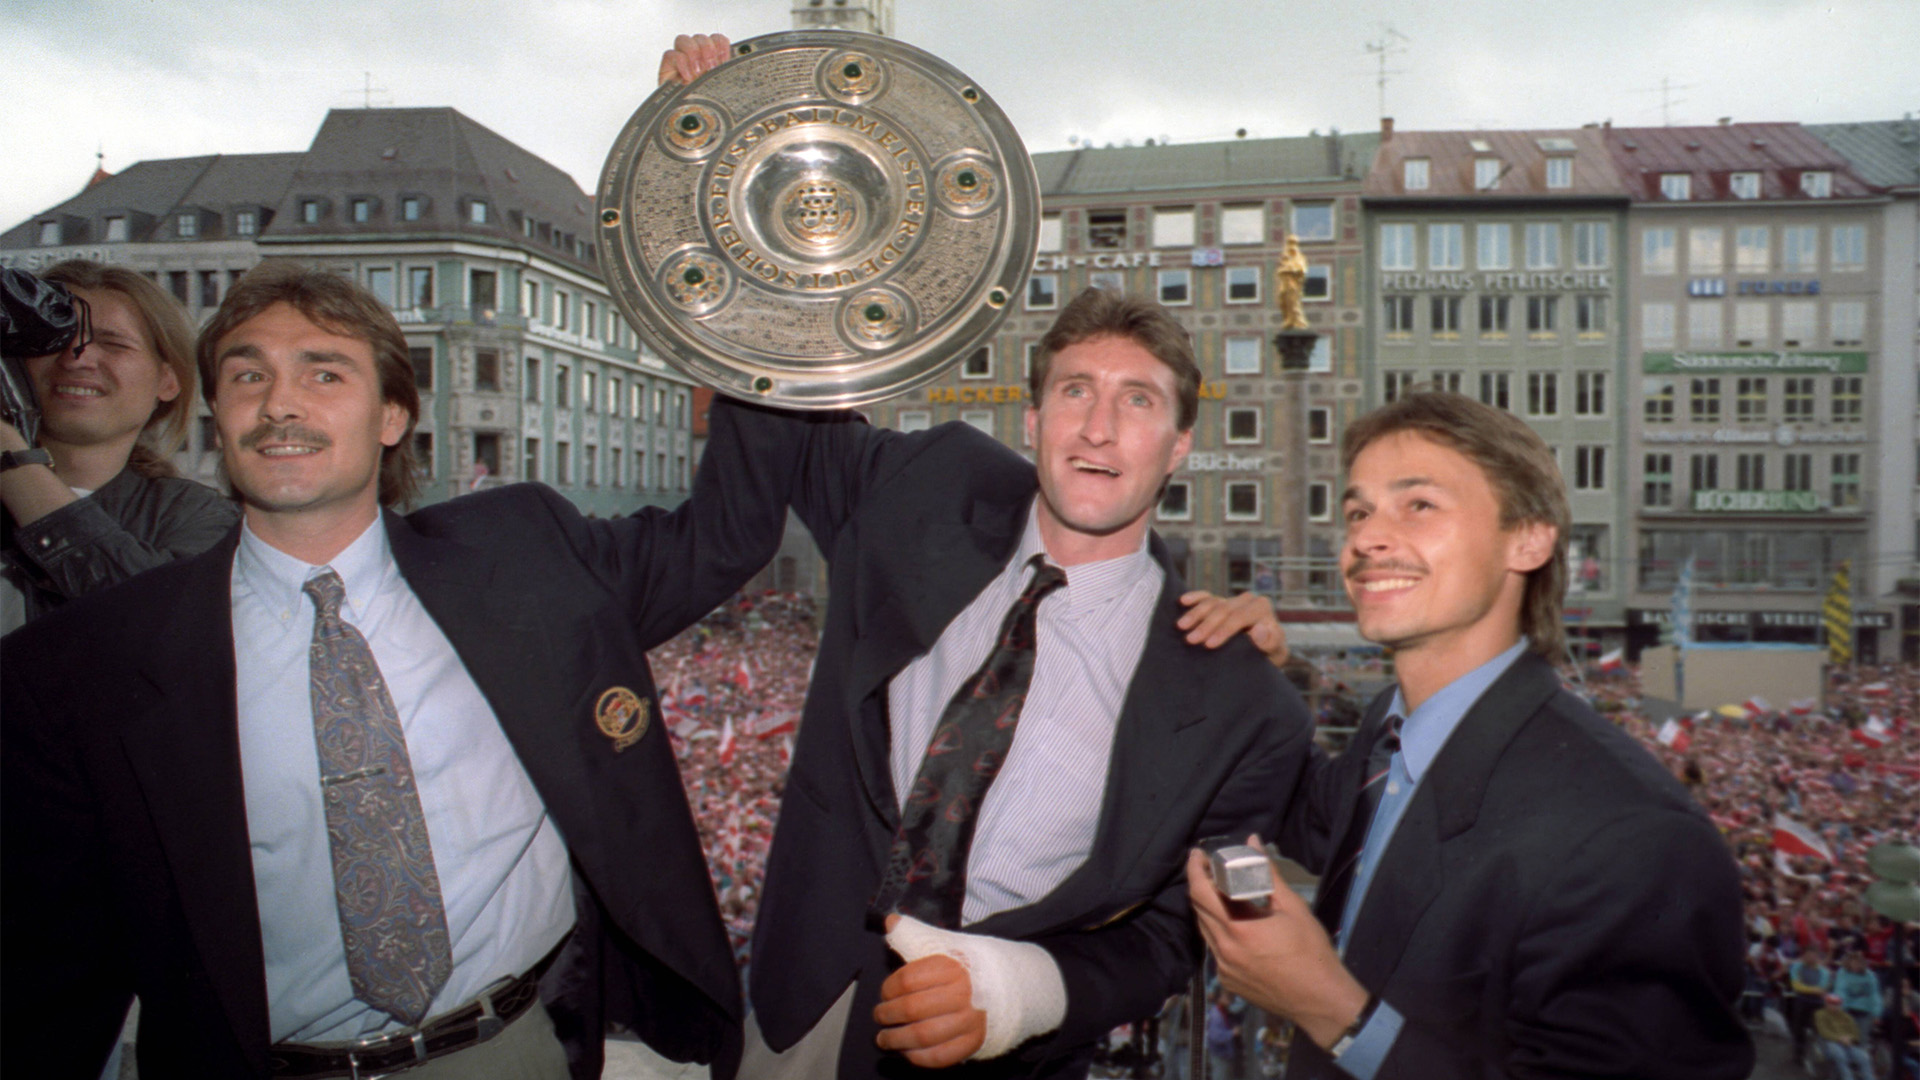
(622, 717)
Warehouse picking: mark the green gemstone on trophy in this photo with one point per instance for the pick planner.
(967, 179)
(851, 71)
(763, 384)
(693, 276)
(690, 122)
(609, 217)
(875, 313)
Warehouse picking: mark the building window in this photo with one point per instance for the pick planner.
(1800, 249)
(1493, 246)
(187, 226)
(209, 288)
(420, 286)
(1543, 318)
(1243, 356)
(1446, 244)
(380, 283)
(1658, 404)
(1395, 385)
(1107, 230)
(1749, 472)
(1657, 251)
(615, 399)
(979, 419)
(1543, 246)
(410, 208)
(1312, 221)
(1398, 312)
(1543, 393)
(532, 380)
(1796, 399)
(1243, 284)
(562, 387)
(978, 364)
(116, 229)
(1243, 500)
(1415, 173)
(1176, 502)
(562, 309)
(486, 369)
(1799, 323)
(1559, 172)
(1744, 185)
(1396, 246)
(590, 465)
(1496, 389)
(1321, 360)
(246, 222)
(1243, 225)
(1846, 399)
(1849, 247)
(1173, 228)
(1029, 351)
(1589, 393)
(1592, 245)
(1243, 425)
(530, 460)
(1849, 321)
(1319, 501)
(1050, 232)
(1656, 489)
(177, 284)
(1487, 173)
(531, 307)
(913, 419)
(1319, 283)
(563, 463)
(1676, 187)
(589, 390)
(1816, 184)
(1443, 316)
(422, 358)
(423, 453)
(1110, 280)
(49, 233)
(1496, 316)
(486, 451)
(1703, 401)
(1749, 324)
(483, 290)
(1750, 399)
(362, 210)
(1845, 478)
(1750, 249)
(309, 211)
(1587, 558)
(1703, 324)
(1705, 472)
(1797, 470)
(1043, 292)
(1706, 250)
(1589, 468)
(1176, 287)
(1590, 317)
(1319, 425)
(477, 212)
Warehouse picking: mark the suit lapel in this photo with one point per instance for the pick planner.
(1446, 804)
(185, 755)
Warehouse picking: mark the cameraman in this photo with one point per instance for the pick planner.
(103, 503)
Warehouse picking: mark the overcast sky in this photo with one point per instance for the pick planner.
(169, 78)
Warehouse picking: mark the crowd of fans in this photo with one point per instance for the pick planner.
(1847, 770)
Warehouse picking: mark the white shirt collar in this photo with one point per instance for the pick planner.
(364, 568)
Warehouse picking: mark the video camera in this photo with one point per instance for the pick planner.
(36, 318)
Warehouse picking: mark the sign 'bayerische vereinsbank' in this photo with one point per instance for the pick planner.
(1786, 363)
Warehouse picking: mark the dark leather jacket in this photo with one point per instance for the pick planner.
(132, 523)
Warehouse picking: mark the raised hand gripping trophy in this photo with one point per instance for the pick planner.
(827, 220)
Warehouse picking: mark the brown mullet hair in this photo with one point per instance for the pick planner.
(337, 305)
(1098, 313)
(172, 335)
(1519, 465)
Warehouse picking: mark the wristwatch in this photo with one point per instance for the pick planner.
(1345, 1041)
(13, 459)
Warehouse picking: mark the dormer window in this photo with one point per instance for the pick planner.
(246, 222)
(187, 226)
(1676, 187)
(410, 208)
(116, 229)
(1744, 185)
(1559, 172)
(49, 233)
(1816, 184)
(1486, 173)
(309, 211)
(1417, 170)
(362, 211)
(477, 211)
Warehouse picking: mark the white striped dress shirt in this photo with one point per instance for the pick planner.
(1038, 820)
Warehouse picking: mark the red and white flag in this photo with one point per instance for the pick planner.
(480, 474)
(1674, 737)
(744, 676)
(1614, 660)
(1804, 706)
(777, 723)
(726, 743)
(1792, 838)
(1874, 733)
(1876, 689)
(1758, 705)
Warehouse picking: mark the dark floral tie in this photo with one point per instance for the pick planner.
(927, 866)
(1331, 899)
(388, 894)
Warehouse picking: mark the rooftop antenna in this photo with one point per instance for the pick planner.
(368, 90)
(1390, 43)
(1667, 100)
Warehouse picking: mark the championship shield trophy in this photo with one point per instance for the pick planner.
(826, 220)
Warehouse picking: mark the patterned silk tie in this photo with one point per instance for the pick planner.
(385, 886)
(1332, 898)
(927, 867)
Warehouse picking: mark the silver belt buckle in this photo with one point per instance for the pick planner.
(413, 1036)
(490, 1023)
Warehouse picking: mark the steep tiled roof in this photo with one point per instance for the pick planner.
(1249, 162)
(1885, 153)
(146, 187)
(1710, 155)
(1451, 158)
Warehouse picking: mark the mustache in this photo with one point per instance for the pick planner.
(287, 433)
(1362, 566)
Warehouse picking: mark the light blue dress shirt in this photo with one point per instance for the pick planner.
(1422, 734)
(504, 878)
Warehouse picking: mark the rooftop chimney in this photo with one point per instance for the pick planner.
(1386, 129)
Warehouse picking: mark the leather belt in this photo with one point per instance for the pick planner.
(470, 1025)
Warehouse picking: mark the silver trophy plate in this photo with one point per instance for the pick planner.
(826, 220)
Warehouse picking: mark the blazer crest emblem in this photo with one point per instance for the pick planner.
(622, 716)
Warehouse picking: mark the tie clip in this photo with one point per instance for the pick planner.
(357, 774)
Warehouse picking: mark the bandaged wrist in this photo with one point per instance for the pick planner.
(1016, 984)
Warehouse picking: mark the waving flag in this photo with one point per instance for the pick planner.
(726, 743)
(1614, 660)
(1757, 704)
(1675, 737)
(1874, 733)
(1792, 838)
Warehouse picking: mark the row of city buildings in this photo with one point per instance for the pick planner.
(1714, 327)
